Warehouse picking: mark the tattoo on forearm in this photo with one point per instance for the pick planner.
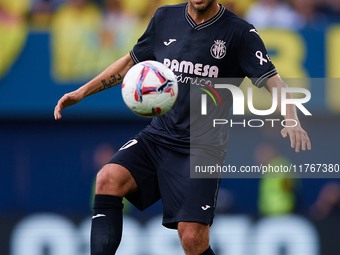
(112, 82)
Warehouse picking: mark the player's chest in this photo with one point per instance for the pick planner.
(203, 46)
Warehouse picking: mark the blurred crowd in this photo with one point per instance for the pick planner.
(292, 14)
(88, 35)
(262, 13)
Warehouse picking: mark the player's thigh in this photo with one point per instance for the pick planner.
(142, 159)
(116, 180)
(186, 199)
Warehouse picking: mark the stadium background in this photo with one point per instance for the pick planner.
(50, 47)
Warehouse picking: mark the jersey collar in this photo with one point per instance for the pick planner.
(205, 24)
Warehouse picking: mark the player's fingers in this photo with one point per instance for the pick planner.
(308, 142)
(284, 133)
(58, 108)
(292, 139)
(303, 142)
(297, 142)
(309, 145)
(57, 114)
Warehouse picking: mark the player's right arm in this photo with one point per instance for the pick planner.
(110, 77)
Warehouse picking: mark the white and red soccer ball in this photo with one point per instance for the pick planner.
(149, 89)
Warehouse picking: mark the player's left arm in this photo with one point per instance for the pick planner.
(297, 135)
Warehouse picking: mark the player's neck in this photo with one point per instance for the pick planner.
(200, 17)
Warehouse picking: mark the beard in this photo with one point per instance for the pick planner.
(201, 8)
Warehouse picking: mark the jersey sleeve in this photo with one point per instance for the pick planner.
(144, 49)
(253, 57)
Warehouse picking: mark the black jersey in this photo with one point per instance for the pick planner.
(225, 46)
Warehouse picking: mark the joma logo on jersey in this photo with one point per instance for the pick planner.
(191, 68)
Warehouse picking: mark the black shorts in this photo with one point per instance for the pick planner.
(164, 173)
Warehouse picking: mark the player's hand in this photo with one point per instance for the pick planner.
(298, 138)
(66, 100)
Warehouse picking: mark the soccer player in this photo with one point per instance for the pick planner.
(198, 38)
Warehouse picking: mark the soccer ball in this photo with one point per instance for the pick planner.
(149, 89)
